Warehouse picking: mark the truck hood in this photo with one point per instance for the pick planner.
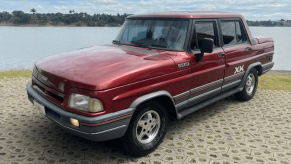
(103, 67)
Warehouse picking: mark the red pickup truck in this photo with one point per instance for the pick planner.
(160, 65)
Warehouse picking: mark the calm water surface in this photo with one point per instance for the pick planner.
(21, 46)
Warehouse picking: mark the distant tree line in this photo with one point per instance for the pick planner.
(72, 18)
(270, 23)
(83, 19)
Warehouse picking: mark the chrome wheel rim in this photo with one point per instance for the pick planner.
(250, 85)
(148, 127)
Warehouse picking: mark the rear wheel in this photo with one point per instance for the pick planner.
(146, 129)
(250, 87)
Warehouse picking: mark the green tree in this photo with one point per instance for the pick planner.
(20, 17)
(33, 15)
(33, 10)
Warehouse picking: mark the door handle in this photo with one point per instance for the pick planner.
(249, 48)
(221, 54)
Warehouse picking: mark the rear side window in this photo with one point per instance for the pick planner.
(232, 32)
(204, 30)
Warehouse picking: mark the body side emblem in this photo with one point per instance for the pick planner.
(239, 69)
(183, 65)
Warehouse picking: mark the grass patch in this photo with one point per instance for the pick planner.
(15, 73)
(274, 82)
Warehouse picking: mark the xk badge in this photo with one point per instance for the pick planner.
(239, 69)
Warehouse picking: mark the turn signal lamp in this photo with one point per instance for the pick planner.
(75, 122)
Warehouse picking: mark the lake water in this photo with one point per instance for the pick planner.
(21, 46)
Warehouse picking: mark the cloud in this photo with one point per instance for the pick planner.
(105, 2)
(40, 7)
(143, 3)
(60, 7)
(252, 10)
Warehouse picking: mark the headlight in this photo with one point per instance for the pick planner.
(85, 103)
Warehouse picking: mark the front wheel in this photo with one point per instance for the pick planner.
(250, 87)
(146, 129)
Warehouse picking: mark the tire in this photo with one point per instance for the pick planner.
(146, 130)
(250, 86)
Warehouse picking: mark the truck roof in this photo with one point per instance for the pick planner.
(188, 14)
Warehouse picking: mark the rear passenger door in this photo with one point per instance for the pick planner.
(237, 49)
(207, 75)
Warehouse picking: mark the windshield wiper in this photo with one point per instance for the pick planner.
(136, 43)
(156, 45)
(140, 44)
(116, 42)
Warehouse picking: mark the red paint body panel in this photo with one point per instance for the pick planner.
(210, 69)
(119, 74)
(102, 67)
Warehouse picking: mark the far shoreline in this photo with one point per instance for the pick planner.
(51, 25)
(82, 25)
(73, 25)
(279, 72)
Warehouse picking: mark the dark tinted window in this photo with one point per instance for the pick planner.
(232, 32)
(241, 34)
(203, 30)
(228, 32)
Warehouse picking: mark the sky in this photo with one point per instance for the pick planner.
(250, 9)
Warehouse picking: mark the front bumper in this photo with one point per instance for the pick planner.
(101, 128)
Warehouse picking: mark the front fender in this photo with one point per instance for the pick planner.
(150, 96)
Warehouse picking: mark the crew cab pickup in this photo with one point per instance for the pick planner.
(160, 65)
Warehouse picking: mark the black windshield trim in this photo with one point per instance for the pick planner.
(153, 47)
(133, 49)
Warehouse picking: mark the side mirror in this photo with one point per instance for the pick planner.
(207, 45)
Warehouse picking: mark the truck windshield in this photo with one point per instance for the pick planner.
(160, 34)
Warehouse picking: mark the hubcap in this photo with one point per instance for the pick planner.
(250, 85)
(148, 127)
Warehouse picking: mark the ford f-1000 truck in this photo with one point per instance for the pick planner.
(160, 65)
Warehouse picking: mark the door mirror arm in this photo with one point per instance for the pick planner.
(198, 54)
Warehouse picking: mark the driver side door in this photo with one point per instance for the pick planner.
(206, 75)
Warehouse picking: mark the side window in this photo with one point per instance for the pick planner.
(232, 33)
(241, 34)
(238, 33)
(203, 30)
(228, 32)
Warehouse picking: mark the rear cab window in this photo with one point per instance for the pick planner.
(232, 32)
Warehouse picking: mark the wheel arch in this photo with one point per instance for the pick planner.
(257, 66)
(163, 97)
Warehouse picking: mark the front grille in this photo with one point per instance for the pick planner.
(40, 87)
(57, 97)
(54, 96)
